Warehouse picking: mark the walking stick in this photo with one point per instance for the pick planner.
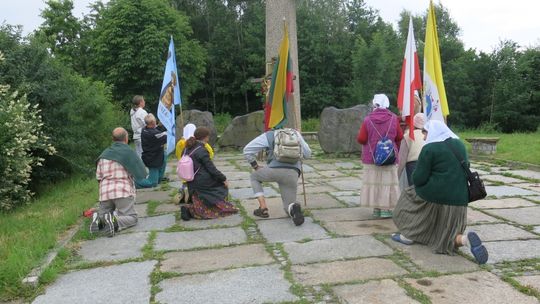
(303, 183)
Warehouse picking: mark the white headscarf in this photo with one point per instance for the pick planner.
(381, 101)
(189, 131)
(437, 131)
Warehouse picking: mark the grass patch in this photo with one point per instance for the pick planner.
(522, 147)
(29, 232)
(311, 125)
(151, 207)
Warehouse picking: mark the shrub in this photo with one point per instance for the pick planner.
(21, 135)
(222, 120)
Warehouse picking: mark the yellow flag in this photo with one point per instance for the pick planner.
(435, 103)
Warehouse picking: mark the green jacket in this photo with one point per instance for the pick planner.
(123, 154)
(439, 177)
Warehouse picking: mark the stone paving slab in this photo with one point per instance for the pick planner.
(160, 222)
(384, 291)
(310, 175)
(500, 191)
(526, 173)
(346, 271)
(343, 214)
(215, 259)
(500, 232)
(477, 217)
(347, 184)
(523, 216)
(121, 247)
(345, 193)
(175, 184)
(362, 227)
(424, 257)
(263, 284)
(226, 168)
(312, 189)
(510, 250)
(167, 208)
(101, 285)
(529, 281)
(502, 179)
(284, 230)
(275, 208)
(351, 201)
(228, 221)
(336, 249)
(324, 166)
(346, 165)
(537, 229)
(502, 203)
(241, 183)
(532, 187)
(331, 173)
(243, 193)
(141, 210)
(145, 196)
(534, 198)
(201, 238)
(319, 200)
(475, 288)
(236, 175)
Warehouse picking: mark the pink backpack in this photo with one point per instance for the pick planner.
(184, 167)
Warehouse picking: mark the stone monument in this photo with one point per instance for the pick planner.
(279, 12)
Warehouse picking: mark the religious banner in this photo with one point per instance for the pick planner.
(169, 97)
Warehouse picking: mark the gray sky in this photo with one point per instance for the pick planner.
(483, 22)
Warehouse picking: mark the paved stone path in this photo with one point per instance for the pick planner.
(340, 255)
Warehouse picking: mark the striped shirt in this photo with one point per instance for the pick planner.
(114, 180)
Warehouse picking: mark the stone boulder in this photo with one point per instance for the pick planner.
(242, 130)
(198, 118)
(339, 128)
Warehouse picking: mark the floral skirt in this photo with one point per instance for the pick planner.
(201, 211)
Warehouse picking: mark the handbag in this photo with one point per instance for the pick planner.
(477, 190)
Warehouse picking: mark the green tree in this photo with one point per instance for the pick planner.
(129, 48)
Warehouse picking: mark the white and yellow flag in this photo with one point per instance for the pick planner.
(435, 103)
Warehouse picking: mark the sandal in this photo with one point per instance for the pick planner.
(261, 212)
(397, 237)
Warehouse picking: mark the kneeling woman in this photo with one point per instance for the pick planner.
(209, 188)
(434, 211)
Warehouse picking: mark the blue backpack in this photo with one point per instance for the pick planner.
(385, 153)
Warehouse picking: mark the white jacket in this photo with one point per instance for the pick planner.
(137, 122)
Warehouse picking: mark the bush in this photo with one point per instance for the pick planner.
(222, 120)
(21, 135)
(311, 125)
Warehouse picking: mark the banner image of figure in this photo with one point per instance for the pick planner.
(170, 96)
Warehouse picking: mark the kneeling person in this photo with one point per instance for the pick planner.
(284, 172)
(117, 168)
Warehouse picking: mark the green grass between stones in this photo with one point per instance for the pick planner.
(28, 233)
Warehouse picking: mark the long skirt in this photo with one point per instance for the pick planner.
(434, 225)
(380, 187)
(201, 211)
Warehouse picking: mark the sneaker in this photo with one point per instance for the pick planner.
(397, 237)
(478, 250)
(184, 213)
(376, 213)
(296, 213)
(94, 225)
(110, 224)
(386, 213)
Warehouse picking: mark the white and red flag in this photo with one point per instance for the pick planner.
(410, 80)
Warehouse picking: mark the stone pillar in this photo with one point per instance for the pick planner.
(276, 11)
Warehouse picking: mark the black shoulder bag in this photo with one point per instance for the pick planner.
(477, 191)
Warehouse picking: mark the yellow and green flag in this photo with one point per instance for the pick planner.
(281, 87)
(435, 103)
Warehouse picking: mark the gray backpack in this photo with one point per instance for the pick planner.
(287, 146)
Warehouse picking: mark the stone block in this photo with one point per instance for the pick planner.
(384, 291)
(262, 284)
(510, 250)
(244, 193)
(502, 179)
(199, 239)
(336, 249)
(141, 210)
(523, 216)
(284, 230)
(159, 196)
(228, 221)
(500, 191)
(242, 130)
(526, 173)
(346, 271)
(477, 217)
(502, 203)
(352, 201)
(532, 281)
(275, 208)
(101, 285)
(121, 247)
(167, 208)
(161, 222)
(331, 173)
(215, 259)
(362, 227)
(320, 200)
(343, 214)
(500, 232)
(339, 127)
(477, 287)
